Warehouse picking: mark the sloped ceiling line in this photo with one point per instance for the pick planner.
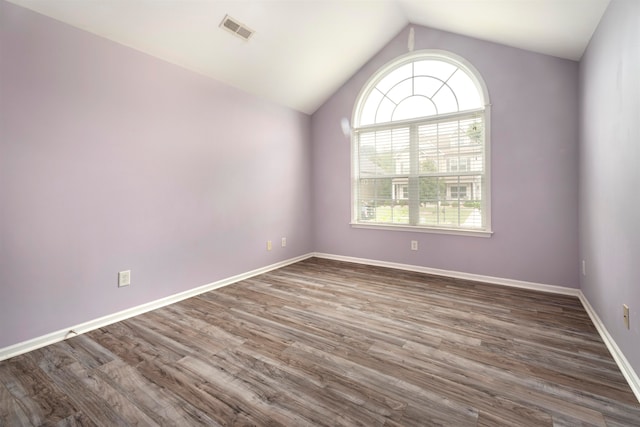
(304, 50)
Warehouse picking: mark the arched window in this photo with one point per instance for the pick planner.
(420, 146)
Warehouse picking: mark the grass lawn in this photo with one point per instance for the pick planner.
(448, 215)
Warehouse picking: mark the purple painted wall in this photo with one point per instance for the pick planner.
(534, 169)
(111, 160)
(610, 173)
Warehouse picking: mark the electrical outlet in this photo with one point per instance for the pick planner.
(625, 315)
(269, 245)
(414, 245)
(124, 278)
(284, 242)
(584, 268)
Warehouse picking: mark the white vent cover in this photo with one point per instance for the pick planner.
(233, 26)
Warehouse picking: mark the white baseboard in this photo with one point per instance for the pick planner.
(53, 337)
(626, 369)
(622, 362)
(456, 274)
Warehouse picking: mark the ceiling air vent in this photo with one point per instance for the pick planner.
(235, 27)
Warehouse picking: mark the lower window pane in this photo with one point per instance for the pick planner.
(384, 200)
(390, 212)
(451, 201)
(451, 214)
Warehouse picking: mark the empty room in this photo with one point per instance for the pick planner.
(320, 212)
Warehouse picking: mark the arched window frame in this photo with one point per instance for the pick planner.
(484, 229)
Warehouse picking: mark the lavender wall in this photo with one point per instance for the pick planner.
(534, 169)
(112, 160)
(610, 173)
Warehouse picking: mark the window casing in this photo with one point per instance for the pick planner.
(420, 147)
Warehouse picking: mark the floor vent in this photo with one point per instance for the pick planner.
(235, 27)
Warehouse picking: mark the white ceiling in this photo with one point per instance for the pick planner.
(304, 50)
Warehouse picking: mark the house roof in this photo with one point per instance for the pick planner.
(302, 51)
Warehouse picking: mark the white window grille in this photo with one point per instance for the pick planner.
(420, 147)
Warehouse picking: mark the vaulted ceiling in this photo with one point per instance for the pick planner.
(302, 51)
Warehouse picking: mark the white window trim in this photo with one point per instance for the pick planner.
(475, 76)
(423, 229)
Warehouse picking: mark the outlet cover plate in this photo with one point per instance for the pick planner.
(625, 315)
(124, 278)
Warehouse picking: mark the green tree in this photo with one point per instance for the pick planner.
(475, 132)
(431, 188)
(383, 189)
(385, 161)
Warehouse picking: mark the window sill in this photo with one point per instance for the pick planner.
(433, 230)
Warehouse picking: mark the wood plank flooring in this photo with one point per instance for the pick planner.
(328, 343)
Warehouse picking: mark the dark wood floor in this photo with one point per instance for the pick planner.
(330, 343)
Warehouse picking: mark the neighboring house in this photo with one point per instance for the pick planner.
(454, 159)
